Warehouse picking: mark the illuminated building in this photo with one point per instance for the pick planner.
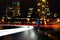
(9, 11)
(14, 10)
(29, 15)
(30, 12)
(43, 9)
(17, 9)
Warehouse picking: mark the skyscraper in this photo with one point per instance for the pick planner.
(13, 10)
(43, 9)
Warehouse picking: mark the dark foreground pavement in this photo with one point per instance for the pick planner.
(33, 34)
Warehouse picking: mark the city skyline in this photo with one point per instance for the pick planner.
(25, 5)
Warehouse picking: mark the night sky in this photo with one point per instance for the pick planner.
(54, 5)
(25, 4)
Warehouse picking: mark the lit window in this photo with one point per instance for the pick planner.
(38, 4)
(3, 17)
(47, 9)
(18, 11)
(2, 20)
(40, 21)
(31, 8)
(28, 19)
(43, 0)
(29, 16)
(29, 13)
(18, 3)
(55, 15)
(38, 10)
(43, 6)
(47, 14)
(58, 20)
(43, 12)
(33, 22)
(48, 20)
(46, 6)
(45, 22)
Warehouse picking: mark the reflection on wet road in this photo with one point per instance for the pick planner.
(32, 34)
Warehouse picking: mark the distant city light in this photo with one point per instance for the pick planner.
(55, 15)
(38, 10)
(29, 16)
(48, 20)
(9, 17)
(28, 19)
(58, 20)
(43, 0)
(31, 8)
(43, 6)
(47, 14)
(2, 20)
(45, 22)
(38, 4)
(47, 9)
(40, 21)
(10, 8)
(3, 17)
(18, 3)
(41, 18)
(33, 22)
(43, 12)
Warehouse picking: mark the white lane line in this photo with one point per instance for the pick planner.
(15, 30)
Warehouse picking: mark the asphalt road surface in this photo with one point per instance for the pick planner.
(33, 34)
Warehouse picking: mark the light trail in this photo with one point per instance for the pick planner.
(15, 30)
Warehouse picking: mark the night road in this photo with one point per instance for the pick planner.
(21, 19)
(33, 34)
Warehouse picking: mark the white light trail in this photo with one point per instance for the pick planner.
(15, 30)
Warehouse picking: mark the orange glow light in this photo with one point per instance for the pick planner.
(2, 20)
(58, 20)
(33, 22)
(28, 19)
